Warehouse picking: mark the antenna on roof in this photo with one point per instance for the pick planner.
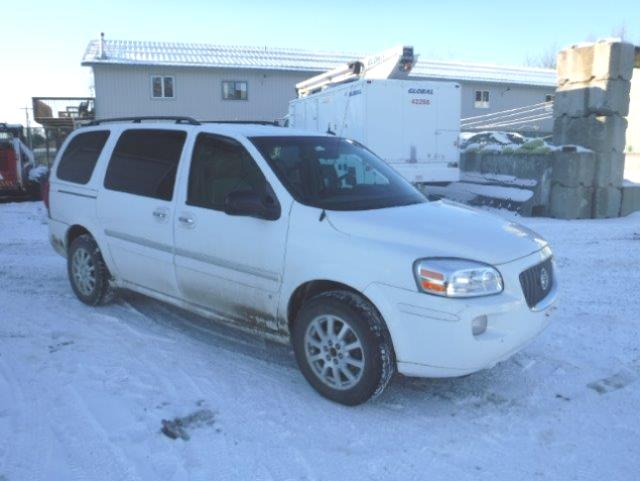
(102, 53)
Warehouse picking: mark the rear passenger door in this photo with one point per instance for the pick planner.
(231, 265)
(136, 207)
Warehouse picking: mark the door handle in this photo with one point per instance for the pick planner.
(186, 220)
(160, 214)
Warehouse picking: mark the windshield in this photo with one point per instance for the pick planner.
(335, 174)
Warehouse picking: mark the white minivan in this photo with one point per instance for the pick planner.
(297, 236)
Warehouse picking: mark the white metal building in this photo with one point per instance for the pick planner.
(214, 82)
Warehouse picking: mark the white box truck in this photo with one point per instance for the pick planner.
(412, 124)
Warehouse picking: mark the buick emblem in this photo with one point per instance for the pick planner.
(544, 279)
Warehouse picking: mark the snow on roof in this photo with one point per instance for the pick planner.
(130, 52)
(476, 72)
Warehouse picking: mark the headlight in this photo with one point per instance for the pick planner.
(457, 278)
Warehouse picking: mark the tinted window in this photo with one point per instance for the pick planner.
(145, 162)
(81, 155)
(220, 166)
(334, 173)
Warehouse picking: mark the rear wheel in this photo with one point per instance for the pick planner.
(88, 274)
(341, 347)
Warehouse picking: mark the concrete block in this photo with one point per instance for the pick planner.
(602, 60)
(573, 169)
(571, 100)
(601, 97)
(613, 60)
(630, 199)
(609, 97)
(579, 60)
(609, 169)
(607, 202)
(602, 134)
(562, 67)
(570, 202)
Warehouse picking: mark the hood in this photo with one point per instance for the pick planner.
(442, 229)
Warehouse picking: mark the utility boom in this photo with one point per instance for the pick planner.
(394, 63)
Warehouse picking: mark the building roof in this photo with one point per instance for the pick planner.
(129, 52)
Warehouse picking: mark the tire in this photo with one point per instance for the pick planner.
(328, 354)
(88, 274)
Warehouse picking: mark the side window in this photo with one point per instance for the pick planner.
(162, 87)
(81, 155)
(234, 90)
(144, 162)
(481, 99)
(220, 166)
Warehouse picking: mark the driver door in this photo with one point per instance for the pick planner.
(231, 265)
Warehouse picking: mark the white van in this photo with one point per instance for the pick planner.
(295, 236)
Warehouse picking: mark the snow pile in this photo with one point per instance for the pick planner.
(38, 173)
(490, 141)
(489, 178)
(493, 191)
(511, 143)
(85, 393)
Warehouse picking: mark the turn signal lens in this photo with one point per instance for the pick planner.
(457, 278)
(432, 281)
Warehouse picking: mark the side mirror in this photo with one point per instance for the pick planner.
(251, 204)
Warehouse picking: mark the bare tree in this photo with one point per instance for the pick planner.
(545, 59)
(620, 31)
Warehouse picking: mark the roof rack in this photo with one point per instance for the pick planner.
(254, 122)
(138, 120)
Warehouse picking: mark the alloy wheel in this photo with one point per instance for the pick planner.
(84, 271)
(334, 352)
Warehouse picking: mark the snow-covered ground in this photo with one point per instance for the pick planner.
(84, 391)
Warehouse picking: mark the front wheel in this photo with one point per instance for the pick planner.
(342, 348)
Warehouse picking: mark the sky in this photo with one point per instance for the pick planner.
(42, 42)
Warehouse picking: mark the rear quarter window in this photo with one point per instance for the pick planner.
(80, 157)
(144, 162)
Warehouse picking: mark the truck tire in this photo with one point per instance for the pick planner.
(34, 190)
(342, 347)
(88, 274)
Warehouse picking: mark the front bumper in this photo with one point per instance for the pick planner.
(432, 336)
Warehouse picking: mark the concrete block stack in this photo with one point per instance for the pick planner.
(591, 103)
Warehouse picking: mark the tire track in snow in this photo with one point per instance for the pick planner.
(212, 333)
(90, 453)
(27, 431)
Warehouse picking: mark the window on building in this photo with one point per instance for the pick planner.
(482, 99)
(81, 155)
(162, 87)
(144, 162)
(220, 166)
(234, 90)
